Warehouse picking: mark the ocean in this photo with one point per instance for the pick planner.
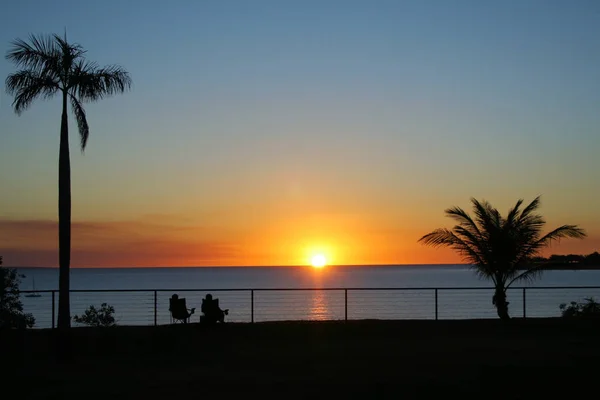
(335, 292)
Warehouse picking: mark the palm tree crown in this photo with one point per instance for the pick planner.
(500, 248)
(50, 65)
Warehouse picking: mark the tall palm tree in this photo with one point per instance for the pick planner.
(500, 248)
(49, 65)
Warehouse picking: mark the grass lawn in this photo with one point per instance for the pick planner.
(359, 359)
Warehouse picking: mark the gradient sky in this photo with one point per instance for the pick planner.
(260, 132)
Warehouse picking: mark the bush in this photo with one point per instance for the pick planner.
(590, 308)
(102, 317)
(11, 308)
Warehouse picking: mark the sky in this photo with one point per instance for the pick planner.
(264, 132)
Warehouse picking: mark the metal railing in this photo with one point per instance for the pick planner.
(150, 306)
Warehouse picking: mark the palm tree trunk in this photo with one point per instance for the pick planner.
(500, 302)
(64, 221)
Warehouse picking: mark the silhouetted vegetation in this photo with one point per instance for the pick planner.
(500, 248)
(11, 308)
(569, 261)
(50, 65)
(590, 308)
(102, 317)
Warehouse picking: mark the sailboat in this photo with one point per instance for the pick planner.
(34, 294)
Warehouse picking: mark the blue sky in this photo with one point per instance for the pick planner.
(388, 111)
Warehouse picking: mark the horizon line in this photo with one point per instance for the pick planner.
(248, 266)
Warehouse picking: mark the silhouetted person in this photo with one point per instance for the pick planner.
(211, 310)
(179, 310)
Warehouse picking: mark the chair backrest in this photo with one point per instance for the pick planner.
(209, 306)
(178, 308)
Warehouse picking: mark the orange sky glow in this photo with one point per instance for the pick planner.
(163, 241)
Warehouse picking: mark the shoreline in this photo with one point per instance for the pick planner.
(549, 267)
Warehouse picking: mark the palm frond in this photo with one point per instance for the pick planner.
(531, 223)
(463, 218)
(513, 213)
(534, 246)
(74, 49)
(528, 275)
(27, 85)
(438, 237)
(483, 271)
(40, 54)
(91, 83)
(475, 241)
(496, 217)
(70, 54)
(445, 237)
(80, 117)
(564, 231)
(531, 207)
(484, 215)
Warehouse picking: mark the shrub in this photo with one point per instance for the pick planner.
(103, 317)
(589, 308)
(11, 308)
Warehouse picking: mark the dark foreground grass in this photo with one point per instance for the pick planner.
(359, 359)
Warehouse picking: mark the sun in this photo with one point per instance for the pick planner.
(318, 261)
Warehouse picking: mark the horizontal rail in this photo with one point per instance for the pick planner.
(150, 306)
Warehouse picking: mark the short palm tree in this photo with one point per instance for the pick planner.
(500, 248)
(49, 65)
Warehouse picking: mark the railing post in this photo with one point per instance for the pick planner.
(53, 307)
(436, 304)
(524, 303)
(155, 307)
(252, 306)
(345, 304)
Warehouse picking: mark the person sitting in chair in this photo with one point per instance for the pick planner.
(211, 310)
(179, 310)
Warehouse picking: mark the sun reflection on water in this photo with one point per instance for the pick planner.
(319, 310)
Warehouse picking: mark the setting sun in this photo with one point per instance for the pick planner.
(318, 261)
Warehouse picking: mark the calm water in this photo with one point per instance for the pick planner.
(135, 308)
